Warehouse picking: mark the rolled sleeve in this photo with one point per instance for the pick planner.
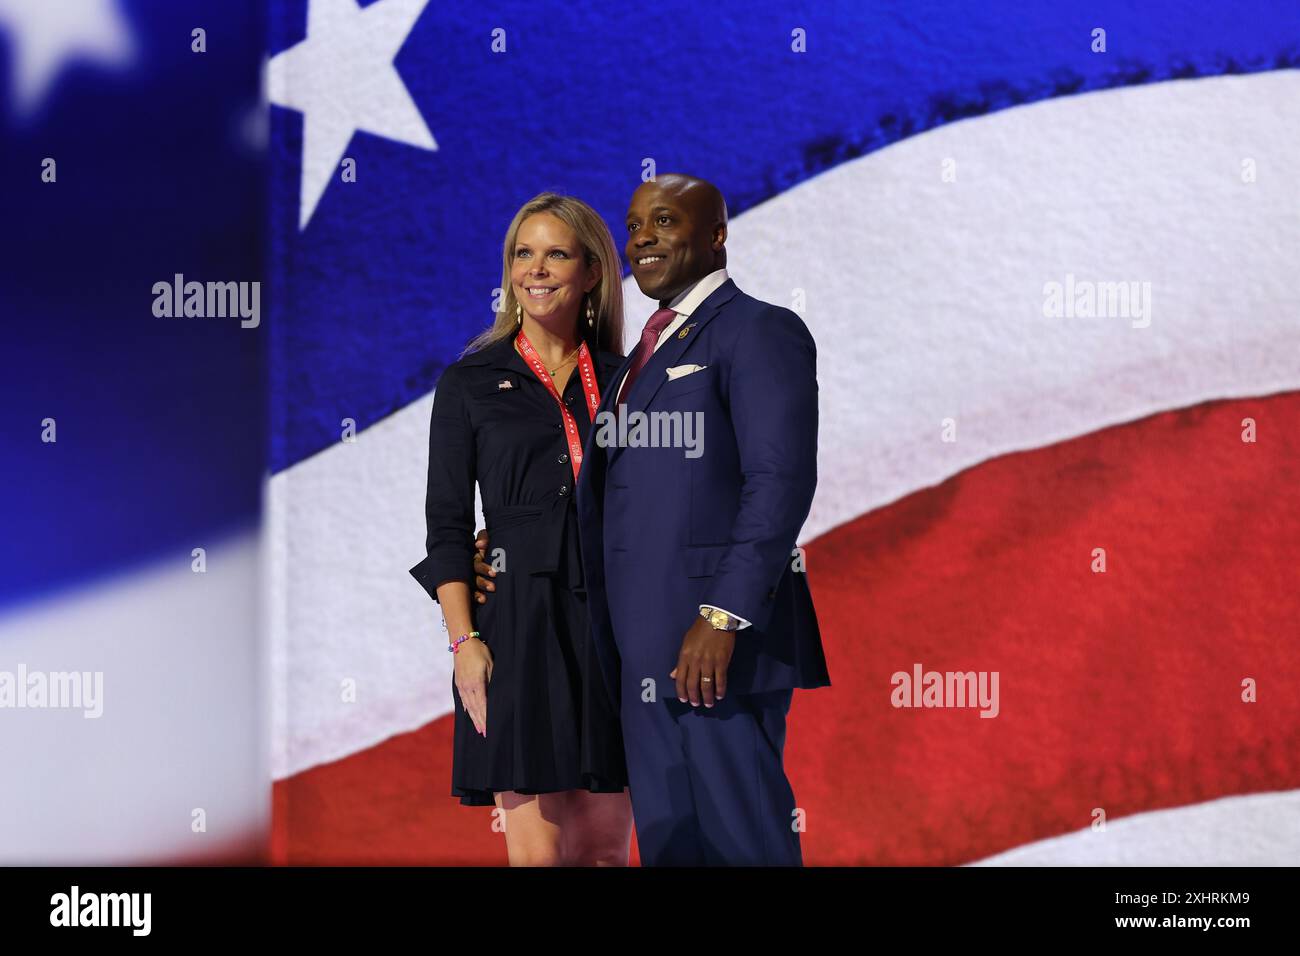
(449, 496)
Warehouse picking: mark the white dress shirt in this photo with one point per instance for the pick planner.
(684, 303)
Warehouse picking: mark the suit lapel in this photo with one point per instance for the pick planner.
(611, 390)
(653, 376)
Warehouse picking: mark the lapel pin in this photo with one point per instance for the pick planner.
(682, 334)
(505, 383)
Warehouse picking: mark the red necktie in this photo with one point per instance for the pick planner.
(649, 339)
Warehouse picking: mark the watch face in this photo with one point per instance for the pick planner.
(718, 620)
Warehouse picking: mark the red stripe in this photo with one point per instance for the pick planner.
(1118, 690)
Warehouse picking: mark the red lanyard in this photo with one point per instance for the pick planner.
(589, 390)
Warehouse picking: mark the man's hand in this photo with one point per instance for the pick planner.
(705, 652)
(481, 568)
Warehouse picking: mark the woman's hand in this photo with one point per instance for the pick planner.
(473, 672)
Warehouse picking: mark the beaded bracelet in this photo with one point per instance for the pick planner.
(454, 646)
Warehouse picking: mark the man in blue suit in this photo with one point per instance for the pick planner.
(693, 489)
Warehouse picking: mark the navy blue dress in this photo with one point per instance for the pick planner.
(550, 723)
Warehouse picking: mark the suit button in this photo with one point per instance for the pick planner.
(771, 593)
(563, 459)
(564, 490)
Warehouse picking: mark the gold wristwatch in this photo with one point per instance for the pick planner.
(720, 620)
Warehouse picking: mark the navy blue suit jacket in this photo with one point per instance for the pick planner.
(663, 532)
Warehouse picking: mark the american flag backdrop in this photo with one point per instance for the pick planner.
(1047, 252)
(1097, 502)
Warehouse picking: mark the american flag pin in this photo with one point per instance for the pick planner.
(505, 383)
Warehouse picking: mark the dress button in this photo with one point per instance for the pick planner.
(564, 490)
(563, 459)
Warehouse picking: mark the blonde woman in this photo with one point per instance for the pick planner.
(536, 733)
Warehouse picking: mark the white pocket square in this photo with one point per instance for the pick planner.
(677, 371)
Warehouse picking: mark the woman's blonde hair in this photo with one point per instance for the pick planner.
(606, 296)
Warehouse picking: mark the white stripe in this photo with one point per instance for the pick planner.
(926, 297)
(1261, 829)
(926, 301)
(181, 726)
